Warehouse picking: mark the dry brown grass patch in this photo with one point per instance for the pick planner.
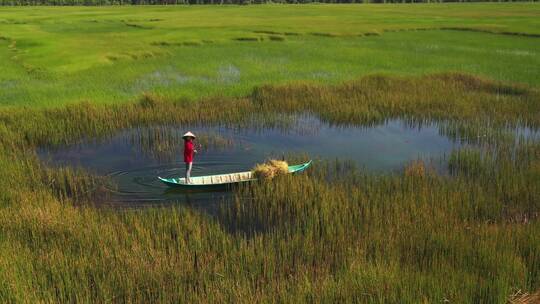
(270, 169)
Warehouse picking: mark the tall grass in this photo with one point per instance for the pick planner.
(353, 237)
(334, 234)
(400, 238)
(461, 99)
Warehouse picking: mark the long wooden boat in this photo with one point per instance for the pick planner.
(219, 181)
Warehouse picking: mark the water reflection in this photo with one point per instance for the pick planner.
(134, 158)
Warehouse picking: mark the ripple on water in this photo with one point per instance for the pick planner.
(130, 158)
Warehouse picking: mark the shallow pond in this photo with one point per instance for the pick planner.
(135, 158)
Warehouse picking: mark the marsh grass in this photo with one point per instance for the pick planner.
(453, 96)
(416, 231)
(75, 185)
(333, 234)
(465, 101)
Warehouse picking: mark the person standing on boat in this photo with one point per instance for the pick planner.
(188, 154)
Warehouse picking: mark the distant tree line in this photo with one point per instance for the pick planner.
(174, 2)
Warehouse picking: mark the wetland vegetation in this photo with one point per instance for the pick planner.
(337, 233)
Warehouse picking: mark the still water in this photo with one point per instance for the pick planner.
(134, 158)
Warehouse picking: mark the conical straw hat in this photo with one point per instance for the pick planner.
(189, 134)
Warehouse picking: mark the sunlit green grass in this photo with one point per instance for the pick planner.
(53, 56)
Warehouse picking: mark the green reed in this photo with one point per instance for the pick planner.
(440, 233)
(463, 100)
(333, 234)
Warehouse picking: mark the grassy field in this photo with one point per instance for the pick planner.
(334, 234)
(58, 55)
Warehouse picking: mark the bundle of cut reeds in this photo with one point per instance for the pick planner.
(270, 169)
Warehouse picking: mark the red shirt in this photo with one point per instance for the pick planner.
(188, 151)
